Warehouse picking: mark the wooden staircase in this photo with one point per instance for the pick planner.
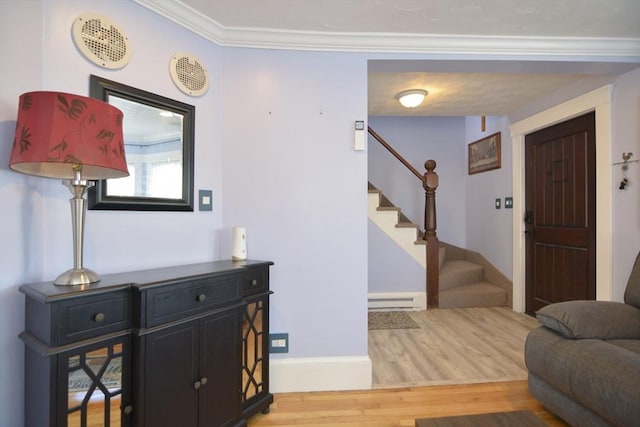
(466, 278)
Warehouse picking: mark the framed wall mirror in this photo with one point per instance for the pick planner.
(158, 139)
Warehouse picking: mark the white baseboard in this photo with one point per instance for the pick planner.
(385, 301)
(320, 374)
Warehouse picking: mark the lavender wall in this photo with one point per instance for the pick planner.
(482, 190)
(21, 238)
(390, 268)
(626, 203)
(293, 179)
(36, 234)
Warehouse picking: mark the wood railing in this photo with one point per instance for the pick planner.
(430, 183)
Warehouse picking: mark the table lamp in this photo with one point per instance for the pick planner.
(76, 139)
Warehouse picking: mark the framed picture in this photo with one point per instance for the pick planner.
(484, 154)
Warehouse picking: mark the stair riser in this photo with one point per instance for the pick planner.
(461, 278)
(480, 299)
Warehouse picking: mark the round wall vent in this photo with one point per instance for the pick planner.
(188, 73)
(101, 41)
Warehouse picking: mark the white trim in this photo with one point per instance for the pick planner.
(599, 101)
(401, 301)
(178, 12)
(320, 374)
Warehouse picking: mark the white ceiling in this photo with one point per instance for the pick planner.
(603, 34)
(562, 18)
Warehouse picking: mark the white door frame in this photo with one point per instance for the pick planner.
(599, 101)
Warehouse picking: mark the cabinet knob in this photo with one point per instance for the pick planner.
(201, 297)
(127, 409)
(99, 317)
(197, 385)
(203, 380)
(254, 282)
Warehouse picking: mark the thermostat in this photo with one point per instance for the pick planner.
(359, 136)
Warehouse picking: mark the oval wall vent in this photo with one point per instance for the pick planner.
(101, 41)
(188, 74)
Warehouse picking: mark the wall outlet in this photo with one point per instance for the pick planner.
(497, 203)
(278, 343)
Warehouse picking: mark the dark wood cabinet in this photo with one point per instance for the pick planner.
(183, 346)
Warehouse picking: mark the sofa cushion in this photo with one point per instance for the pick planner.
(631, 345)
(597, 375)
(632, 292)
(592, 319)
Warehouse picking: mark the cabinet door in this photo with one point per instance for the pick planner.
(170, 395)
(94, 387)
(220, 369)
(255, 356)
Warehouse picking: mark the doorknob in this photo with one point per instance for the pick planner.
(528, 220)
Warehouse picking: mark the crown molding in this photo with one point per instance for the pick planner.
(619, 49)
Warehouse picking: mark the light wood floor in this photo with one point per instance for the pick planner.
(461, 361)
(452, 346)
(400, 406)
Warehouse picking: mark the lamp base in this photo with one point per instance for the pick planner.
(77, 277)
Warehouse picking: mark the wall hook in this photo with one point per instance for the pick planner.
(623, 183)
(625, 166)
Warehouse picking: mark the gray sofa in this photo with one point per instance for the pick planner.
(584, 361)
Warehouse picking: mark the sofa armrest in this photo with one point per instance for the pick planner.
(592, 319)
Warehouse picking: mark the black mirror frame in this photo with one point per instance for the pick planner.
(98, 199)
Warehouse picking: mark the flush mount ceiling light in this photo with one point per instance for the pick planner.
(411, 98)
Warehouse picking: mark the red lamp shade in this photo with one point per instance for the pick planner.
(60, 133)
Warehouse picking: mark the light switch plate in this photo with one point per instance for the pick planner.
(508, 202)
(205, 200)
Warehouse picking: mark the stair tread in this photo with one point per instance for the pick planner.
(388, 208)
(456, 265)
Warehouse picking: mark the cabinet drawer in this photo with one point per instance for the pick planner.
(88, 317)
(255, 280)
(174, 302)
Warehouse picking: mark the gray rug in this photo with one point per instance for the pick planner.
(391, 320)
(499, 419)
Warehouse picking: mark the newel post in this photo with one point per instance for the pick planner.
(430, 183)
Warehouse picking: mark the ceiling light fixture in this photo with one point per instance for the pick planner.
(411, 98)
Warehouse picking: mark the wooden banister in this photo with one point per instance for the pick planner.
(394, 152)
(430, 184)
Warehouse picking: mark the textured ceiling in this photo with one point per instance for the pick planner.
(462, 94)
(471, 89)
(563, 18)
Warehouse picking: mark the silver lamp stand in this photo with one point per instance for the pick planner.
(77, 275)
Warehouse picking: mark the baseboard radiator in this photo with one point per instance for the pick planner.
(397, 301)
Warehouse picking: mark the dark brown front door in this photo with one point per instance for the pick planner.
(560, 213)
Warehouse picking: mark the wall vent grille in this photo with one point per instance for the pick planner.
(101, 41)
(188, 74)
